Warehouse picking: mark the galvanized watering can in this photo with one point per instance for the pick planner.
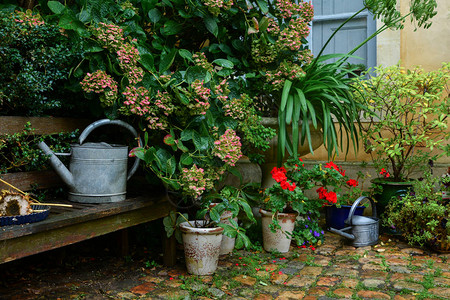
(98, 171)
(364, 230)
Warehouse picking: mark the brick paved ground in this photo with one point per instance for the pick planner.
(389, 270)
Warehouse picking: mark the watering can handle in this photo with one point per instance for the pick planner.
(355, 204)
(103, 122)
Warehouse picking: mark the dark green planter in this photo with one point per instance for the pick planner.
(389, 189)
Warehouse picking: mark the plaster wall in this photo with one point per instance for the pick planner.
(427, 48)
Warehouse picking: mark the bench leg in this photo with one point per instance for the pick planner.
(169, 249)
(123, 248)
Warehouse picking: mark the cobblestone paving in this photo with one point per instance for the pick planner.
(389, 270)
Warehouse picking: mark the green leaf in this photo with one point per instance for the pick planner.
(147, 5)
(181, 146)
(56, 7)
(150, 155)
(162, 156)
(225, 72)
(211, 25)
(285, 94)
(225, 49)
(214, 214)
(200, 142)
(195, 73)
(154, 15)
(228, 230)
(67, 21)
(171, 166)
(186, 135)
(186, 54)
(147, 62)
(263, 24)
(167, 60)
(186, 159)
(248, 210)
(224, 63)
(263, 6)
(289, 109)
(281, 136)
(169, 225)
(171, 28)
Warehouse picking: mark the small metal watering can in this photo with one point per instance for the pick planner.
(364, 230)
(98, 171)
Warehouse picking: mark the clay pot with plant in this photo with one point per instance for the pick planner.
(287, 213)
(406, 123)
(422, 216)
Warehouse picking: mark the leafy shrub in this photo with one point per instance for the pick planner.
(19, 151)
(422, 216)
(35, 59)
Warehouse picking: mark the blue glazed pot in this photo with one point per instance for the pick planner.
(335, 217)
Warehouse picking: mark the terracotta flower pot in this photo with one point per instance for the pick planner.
(277, 241)
(201, 247)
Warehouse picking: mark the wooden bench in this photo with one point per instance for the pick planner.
(66, 226)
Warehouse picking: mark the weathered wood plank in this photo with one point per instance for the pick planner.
(38, 242)
(42, 125)
(81, 216)
(25, 180)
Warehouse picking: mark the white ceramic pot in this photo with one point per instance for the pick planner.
(201, 247)
(228, 243)
(277, 241)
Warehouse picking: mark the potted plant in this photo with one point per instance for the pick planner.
(287, 213)
(225, 207)
(215, 230)
(422, 216)
(201, 239)
(445, 185)
(406, 121)
(336, 190)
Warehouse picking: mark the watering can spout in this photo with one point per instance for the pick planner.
(59, 167)
(344, 234)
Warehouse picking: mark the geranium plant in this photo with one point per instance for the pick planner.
(407, 118)
(287, 195)
(334, 186)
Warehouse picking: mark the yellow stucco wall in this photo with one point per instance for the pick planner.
(427, 47)
(424, 47)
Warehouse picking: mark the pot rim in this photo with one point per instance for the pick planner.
(281, 215)
(387, 182)
(185, 227)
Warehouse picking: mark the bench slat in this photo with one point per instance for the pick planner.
(42, 125)
(25, 180)
(73, 232)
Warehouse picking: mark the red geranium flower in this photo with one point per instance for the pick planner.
(352, 182)
(331, 197)
(385, 173)
(279, 177)
(284, 185)
(292, 187)
(322, 192)
(331, 165)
